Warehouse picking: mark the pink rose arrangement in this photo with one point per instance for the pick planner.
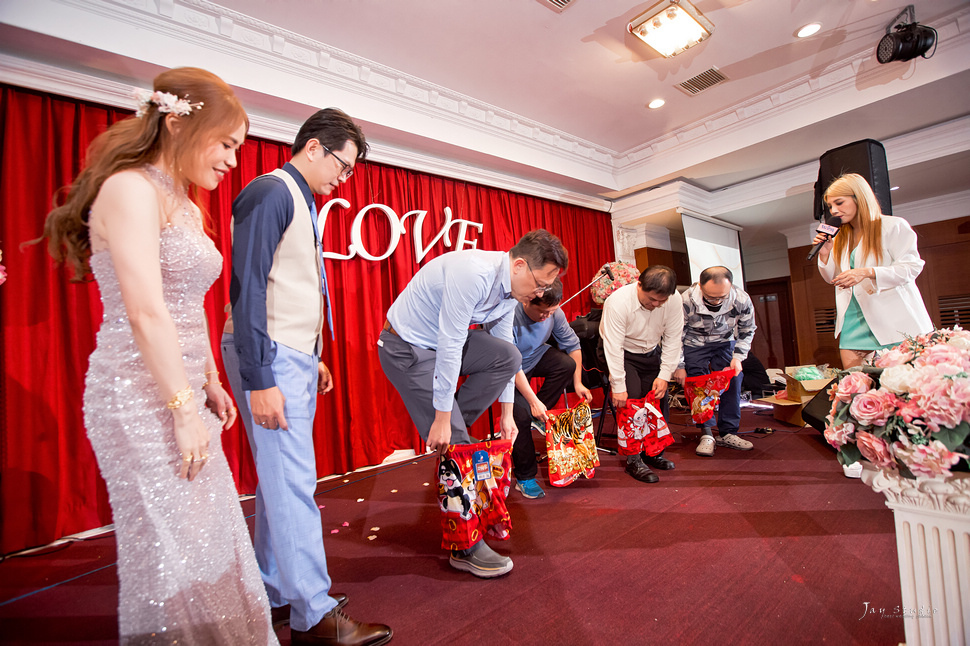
(624, 273)
(3, 271)
(909, 410)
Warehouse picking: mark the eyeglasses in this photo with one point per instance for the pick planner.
(542, 289)
(713, 301)
(345, 170)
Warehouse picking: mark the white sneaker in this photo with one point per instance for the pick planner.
(732, 441)
(706, 447)
(853, 470)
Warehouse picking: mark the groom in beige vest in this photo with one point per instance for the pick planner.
(279, 302)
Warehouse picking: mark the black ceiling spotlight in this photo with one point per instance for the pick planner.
(908, 41)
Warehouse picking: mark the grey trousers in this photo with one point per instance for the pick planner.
(489, 364)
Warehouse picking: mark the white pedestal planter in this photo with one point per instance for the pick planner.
(933, 542)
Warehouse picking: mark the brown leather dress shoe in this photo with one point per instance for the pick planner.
(337, 629)
(281, 615)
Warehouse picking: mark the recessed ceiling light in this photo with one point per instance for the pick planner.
(809, 30)
(894, 188)
(656, 103)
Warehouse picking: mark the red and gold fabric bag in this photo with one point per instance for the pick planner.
(704, 393)
(642, 427)
(570, 445)
(473, 482)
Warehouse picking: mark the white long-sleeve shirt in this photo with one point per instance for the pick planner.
(629, 326)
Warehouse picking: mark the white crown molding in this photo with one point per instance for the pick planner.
(57, 80)
(209, 26)
(935, 209)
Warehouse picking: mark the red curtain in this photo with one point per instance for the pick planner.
(49, 481)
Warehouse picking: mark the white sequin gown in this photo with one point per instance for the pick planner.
(186, 565)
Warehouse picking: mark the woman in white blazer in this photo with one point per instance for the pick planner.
(873, 262)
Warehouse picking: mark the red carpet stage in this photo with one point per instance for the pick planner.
(768, 546)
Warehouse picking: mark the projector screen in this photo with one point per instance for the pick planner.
(710, 244)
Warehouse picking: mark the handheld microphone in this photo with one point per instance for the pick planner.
(609, 272)
(830, 227)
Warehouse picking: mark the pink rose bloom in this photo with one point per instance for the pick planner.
(875, 450)
(853, 384)
(947, 359)
(839, 435)
(945, 402)
(926, 460)
(3, 274)
(873, 408)
(895, 356)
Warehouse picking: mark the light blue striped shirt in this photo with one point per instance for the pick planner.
(446, 296)
(530, 336)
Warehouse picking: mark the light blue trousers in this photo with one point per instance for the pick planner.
(289, 536)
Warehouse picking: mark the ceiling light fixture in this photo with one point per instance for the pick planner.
(656, 103)
(671, 27)
(908, 41)
(809, 30)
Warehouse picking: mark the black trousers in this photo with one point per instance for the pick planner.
(556, 370)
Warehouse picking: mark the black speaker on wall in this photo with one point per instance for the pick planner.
(867, 158)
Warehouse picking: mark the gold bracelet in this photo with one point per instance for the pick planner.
(211, 383)
(180, 398)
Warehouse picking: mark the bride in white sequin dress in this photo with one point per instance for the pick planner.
(153, 405)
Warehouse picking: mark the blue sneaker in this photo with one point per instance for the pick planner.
(530, 488)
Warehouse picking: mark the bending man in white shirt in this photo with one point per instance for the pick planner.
(641, 332)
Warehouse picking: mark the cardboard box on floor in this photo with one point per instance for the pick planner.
(798, 393)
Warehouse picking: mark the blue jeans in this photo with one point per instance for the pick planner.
(289, 536)
(710, 358)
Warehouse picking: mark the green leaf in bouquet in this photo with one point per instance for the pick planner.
(849, 454)
(954, 438)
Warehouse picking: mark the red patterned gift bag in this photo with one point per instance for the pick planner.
(704, 393)
(642, 427)
(570, 444)
(473, 482)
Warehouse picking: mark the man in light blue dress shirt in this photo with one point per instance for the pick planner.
(426, 345)
(535, 322)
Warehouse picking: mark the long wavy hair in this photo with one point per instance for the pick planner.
(868, 215)
(137, 141)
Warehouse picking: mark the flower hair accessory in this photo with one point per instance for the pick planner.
(165, 102)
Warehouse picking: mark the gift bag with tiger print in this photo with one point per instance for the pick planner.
(570, 444)
(473, 483)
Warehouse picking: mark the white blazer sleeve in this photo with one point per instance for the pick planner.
(900, 262)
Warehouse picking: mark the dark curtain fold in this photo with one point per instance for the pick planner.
(49, 481)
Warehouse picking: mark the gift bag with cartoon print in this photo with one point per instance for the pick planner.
(642, 427)
(473, 482)
(570, 444)
(704, 393)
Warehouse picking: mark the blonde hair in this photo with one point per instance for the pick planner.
(137, 141)
(868, 216)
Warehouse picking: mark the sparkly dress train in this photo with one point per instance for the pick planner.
(186, 565)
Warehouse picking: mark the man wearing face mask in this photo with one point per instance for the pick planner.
(534, 323)
(718, 329)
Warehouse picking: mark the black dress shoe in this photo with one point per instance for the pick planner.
(281, 615)
(641, 471)
(337, 629)
(658, 462)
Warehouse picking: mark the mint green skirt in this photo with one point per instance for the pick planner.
(856, 334)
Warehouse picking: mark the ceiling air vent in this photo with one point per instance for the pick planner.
(702, 81)
(557, 5)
